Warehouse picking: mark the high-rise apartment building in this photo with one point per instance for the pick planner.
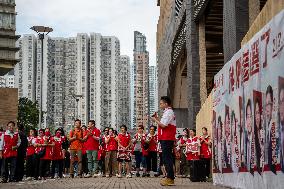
(95, 77)
(110, 59)
(8, 80)
(25, 70)
(153, 90)
(57, 81)
(82, 87)
(141, 86)
(123, 91)
(132, 99)
(70, 67)
(7, 36)
(79, 80)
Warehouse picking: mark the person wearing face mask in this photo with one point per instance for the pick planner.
(124, 151)
(38, 144)
(9, 143)
(30, 163)
(140, 156)
(152, 140)
(182, 144)
(103, 147)
(57, 156)
(193, 156)
(205, 151)
(111, 153)
(44, 164)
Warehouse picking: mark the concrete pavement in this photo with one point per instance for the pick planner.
(105, 183)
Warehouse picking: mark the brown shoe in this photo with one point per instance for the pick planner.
(167, 182)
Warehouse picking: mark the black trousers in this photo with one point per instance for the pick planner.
(44, 168)
(161, 163)
(20, 168)
(0, 166)
(57, 167)
(152, 161)
(36, 165)
(102, 165)
(85, 163)
(168, 159)
(12, 161)
(206, 165)
(196, 169)
(184, 164)
(30, 166)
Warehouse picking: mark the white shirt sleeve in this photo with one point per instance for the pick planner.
(2, 142)
(167, 117)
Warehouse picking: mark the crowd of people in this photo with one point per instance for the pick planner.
(86, 152)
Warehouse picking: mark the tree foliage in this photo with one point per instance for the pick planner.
(28, 113)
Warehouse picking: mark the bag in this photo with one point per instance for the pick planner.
(41, 153)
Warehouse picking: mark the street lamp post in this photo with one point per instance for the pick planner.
(77, 97)
(41, 31)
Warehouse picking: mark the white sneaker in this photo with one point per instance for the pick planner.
(107, 176)
(95, 175)
(87, 175)
(65, 175)
(129, 176)
(119, 176)
(28, 179)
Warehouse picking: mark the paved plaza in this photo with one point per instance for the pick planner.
(104, 183)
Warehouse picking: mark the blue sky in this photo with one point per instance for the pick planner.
(118, 18)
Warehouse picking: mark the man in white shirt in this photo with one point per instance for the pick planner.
(166, 136)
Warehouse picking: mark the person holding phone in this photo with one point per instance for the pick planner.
(166, 136)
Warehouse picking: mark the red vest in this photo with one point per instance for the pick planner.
(48, 149)
(9, 142)
(205, 151)
(192, 148)
(57, 149)
(30, 148)
(39, 140)
(124, 139)
(168, 133)
(91, 143)
(112, 144)
(153, 144)
(182, 141)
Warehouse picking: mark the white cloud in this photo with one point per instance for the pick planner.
(118, 18)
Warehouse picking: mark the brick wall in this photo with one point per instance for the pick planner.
(8, 105)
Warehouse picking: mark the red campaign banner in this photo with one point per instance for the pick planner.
(248, 113)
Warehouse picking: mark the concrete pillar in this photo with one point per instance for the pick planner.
(235, 26)
(193, 68)
(254, 9)
(202, 57)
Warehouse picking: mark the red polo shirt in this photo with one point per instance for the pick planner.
(91, 143)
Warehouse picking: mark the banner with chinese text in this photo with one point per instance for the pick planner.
(248, 113)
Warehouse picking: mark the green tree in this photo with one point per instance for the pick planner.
(28, 113)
